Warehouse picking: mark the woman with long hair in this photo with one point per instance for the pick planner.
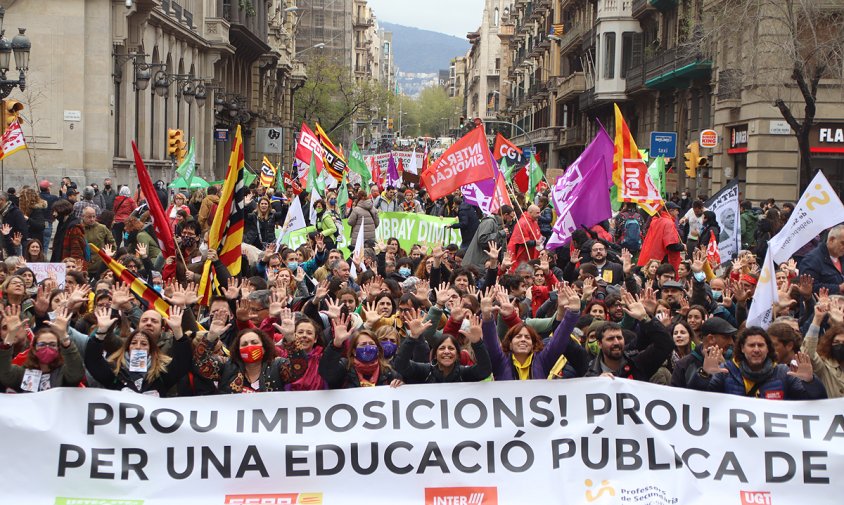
(683, 335)
(139, 365)
(33, 252)
(360, 364)
(259, 228)
(52, 359)
(35, 209)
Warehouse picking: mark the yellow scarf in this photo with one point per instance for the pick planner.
(523, 369)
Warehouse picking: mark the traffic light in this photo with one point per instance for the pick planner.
(462, 121)
(181, 147)
(694, 160)
(175, 144)
(11, 110)
(389, 123)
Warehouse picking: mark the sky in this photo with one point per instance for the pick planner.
(454, 17)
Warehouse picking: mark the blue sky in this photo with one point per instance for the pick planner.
(454, 17)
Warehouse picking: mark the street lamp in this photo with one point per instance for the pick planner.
(315, 46)
(20, 46)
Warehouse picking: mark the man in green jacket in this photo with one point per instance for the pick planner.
(748, 224)
(97, 234)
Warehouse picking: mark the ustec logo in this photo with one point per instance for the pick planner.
(755, 498)
(461, 496)
(275, 499)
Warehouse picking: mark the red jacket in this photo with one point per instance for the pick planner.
(123, 206)
(662, 233)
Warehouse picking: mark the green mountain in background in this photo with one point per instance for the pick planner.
(423, 50)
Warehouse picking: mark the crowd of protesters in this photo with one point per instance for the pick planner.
(497, 306)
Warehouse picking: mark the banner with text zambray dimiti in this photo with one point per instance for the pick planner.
(607, 442)
(407, 227)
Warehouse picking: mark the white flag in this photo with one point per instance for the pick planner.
(819, 208)
(315, 197)
(358, 253)
(412, 166)
(295, 220)
(761, 311)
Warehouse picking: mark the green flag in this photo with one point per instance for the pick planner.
(534, 177)
(657, 172)
(343, 195)
(506, 169)
(187, 168)
(315, 183)
(358, 165)
(279, 182)
(616, 205)
(248, 177)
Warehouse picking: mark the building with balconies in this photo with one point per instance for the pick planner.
(484, 62)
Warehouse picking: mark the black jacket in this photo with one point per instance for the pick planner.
(102, 370)
(257, 232)
(467, 222)
(58, 241)
(13, 216)
(819, 265)
(334, 369)
(654, 346)
(413, 372)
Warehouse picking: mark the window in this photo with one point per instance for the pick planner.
(495, 17)
(626, 52)
(609, 55)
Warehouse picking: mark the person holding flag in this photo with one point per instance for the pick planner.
(526, 241)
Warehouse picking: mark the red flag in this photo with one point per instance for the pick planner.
(502, 196)
(522, 180)
(293, 184)
(506, 149)
(712, 252)
(159, 222)
(465, 162)
(309, 145)
(425, 159)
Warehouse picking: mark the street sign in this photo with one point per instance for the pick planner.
(269, 140)
(663, 144)
(221, 135)
(708, 138)
(527, 151)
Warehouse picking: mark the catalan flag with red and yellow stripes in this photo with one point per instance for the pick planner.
(630, 172)
(138, 286)
(226, 233)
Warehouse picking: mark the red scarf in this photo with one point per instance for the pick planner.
(311, 381)
(364, 370)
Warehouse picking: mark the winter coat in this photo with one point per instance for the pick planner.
(123, 206)
(546, 221)
(103, 371)
(38, 218)
(205, 217)
(541, 362)
(711, 225)
(414, 372)
(69, 241)
(259, 232)
(363, 214)
(655, 346)
(467, 223)
(489, 230)
(779, 386)
(748, 228)
(819, 265)
(335, 371)
(70, 374)
(231, 375)
(326, 225)
(13, 216)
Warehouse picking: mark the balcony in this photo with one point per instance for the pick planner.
(570, 37)
(362, 22)
(570, 85)
(571, 136)
(586, 100)
(664, 5)
(506, 31)
(614, 9)
(546, 135)
(588, 39)
(674, 68)
(635, 80)
(641, 7)
(248, 30)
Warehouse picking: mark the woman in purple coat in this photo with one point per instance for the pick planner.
(522, 354)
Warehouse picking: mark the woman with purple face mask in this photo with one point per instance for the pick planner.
(363, 363)
(52, 359)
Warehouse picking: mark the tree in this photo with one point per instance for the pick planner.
(333, 98)
(432, 113)
(785, 51)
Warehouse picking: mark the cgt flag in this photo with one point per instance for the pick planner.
(467, 161)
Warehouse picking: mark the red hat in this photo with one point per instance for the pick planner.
(408, 192)
(45, 184)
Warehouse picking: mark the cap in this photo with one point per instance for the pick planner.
(673, 284)
(672, 206)
(718, 326)
(45, 184)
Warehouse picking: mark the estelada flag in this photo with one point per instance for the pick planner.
(12, 141)
(143, 290)
(163, 232)
(268, 172)
(467, 161)
(307, 146)
(332, 157)
(712, 252)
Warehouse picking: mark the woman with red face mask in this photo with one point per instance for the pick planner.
(51, 361)
(253, 365)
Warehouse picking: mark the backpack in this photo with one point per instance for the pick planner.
(631, 237)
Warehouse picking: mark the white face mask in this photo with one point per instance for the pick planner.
(465, 325)
(203, 248)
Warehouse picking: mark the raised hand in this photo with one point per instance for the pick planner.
(17, 238)
(805, 285)
(217, 328)
(474, 333)
(626, 261)
(277, 302)
(416, 324)
(42, 300)
(493, 251)
(300, 275)
(6, 229)
(320, 242)
(12, 318)
(321, 291)
(588, 287)
(141, 250)
(713, 357)
(507, 261)
(174, 322)
(488, 304)
(104, 321)
(575, 256)
(341, 329)
(242, 312)
(233, 289)
(506, 306)
(109, 250)
(804, 370)
(334, 309)
(441, 294)
(79, 296)
(649, 300)
(370, 314)
(60, 322)
(698, 257)
(633, 307)
(567, 297)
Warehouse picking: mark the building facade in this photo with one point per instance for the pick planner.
(573, 59)
(484, 63)
(194, 65)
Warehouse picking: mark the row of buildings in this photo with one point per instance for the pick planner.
(554, 69)
(104, 73)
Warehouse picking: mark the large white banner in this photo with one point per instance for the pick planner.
(596, 441)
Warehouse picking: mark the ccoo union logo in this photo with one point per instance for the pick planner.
(274, 499)
(461, 496)
(755, 498)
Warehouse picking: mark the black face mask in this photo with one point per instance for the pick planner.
(107, 187)
(837, 352)
(188, 242)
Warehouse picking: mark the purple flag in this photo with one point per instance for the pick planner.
(601, 147)
(481, 194)
(587, 204)
(393, 178)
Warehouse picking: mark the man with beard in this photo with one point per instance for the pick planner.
(653, 347)
(611, 272)
(672, 292)
(715, 332)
